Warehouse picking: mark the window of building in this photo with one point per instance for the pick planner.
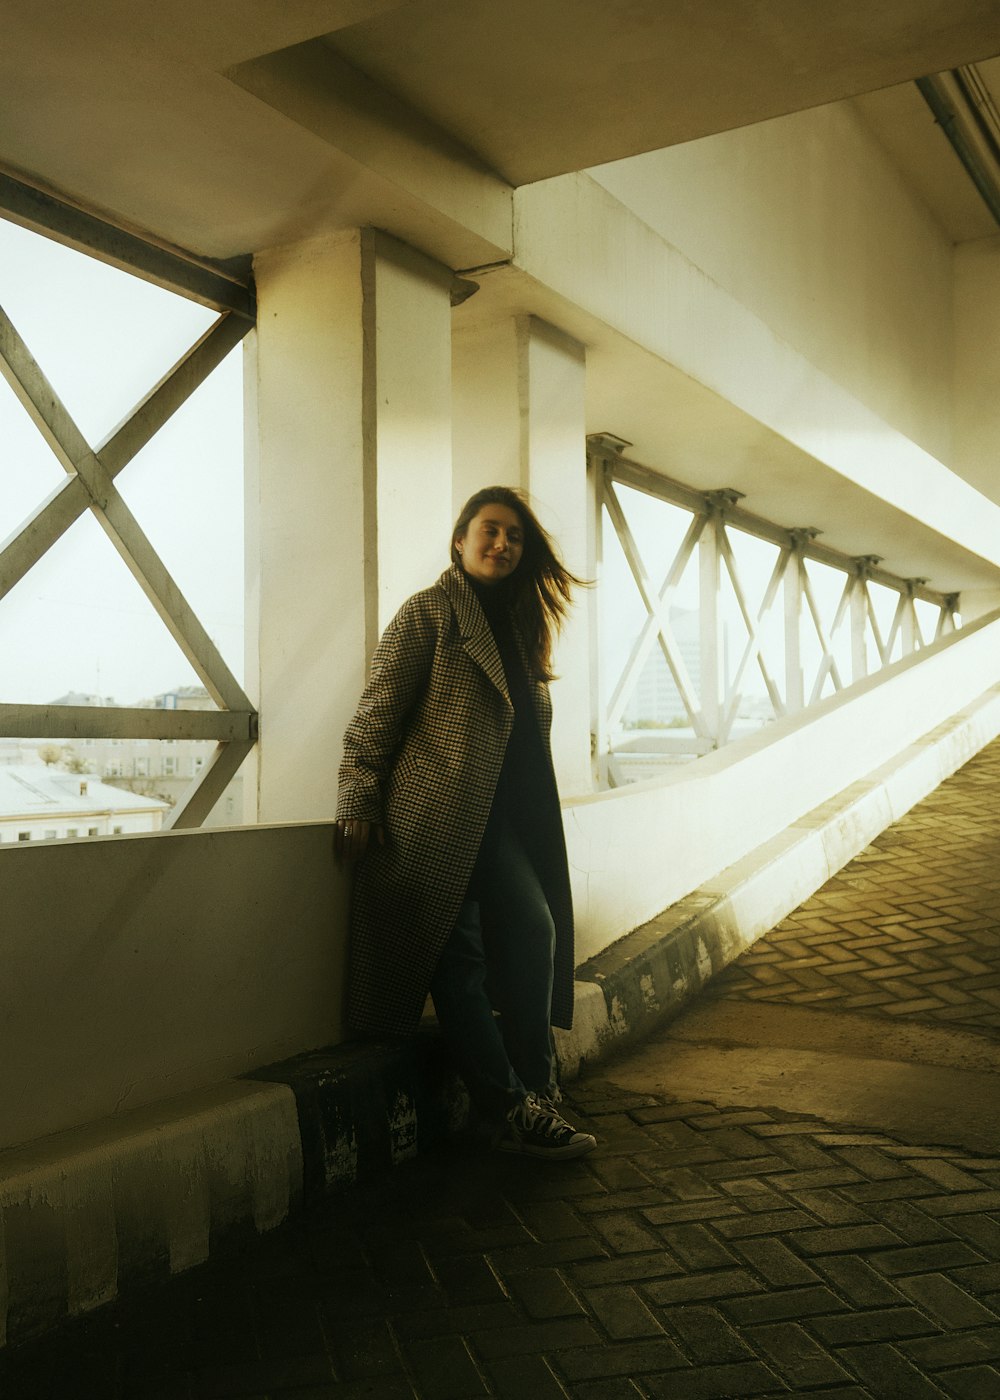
(24, 835)
(93, 831)
(169, 767)
(117, 830)
(51, 835)
(142, 768)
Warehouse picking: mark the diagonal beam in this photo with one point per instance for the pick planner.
(53, 517)
(152, 576)
(828, 662)
(203, 792)
(68, 502)
(41, 402)
(650, 598)
(646, 639)
(754, 646)
(173, 390)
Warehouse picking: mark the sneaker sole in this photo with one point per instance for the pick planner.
(555, 1154)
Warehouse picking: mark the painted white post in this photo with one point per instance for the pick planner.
(710, 621)
(859, 624)
(348, 499)
(794, 679)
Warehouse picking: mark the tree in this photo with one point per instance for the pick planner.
(50, 754)
(74, 763)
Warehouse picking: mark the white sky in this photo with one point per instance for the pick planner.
(78, 620)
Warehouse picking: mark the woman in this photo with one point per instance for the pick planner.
(448, 803)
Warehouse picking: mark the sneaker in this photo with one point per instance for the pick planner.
(537, 1129)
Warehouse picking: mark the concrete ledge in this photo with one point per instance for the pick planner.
(654, 972)
(88, 1213)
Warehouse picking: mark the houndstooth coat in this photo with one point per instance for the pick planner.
(422, 757)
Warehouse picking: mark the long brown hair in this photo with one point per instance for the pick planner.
(540, 587)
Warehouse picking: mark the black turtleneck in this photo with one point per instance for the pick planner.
(526, 785)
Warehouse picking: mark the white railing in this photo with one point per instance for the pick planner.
(713, 621)
(91, 471)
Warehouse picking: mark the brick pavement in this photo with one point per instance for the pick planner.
(909, 929)
(699, 1252)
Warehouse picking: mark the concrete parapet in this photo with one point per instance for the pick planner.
(88, 1213)
(654, 972)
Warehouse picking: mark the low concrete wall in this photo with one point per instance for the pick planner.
(136, 968)
(650, 975)
(640, 849)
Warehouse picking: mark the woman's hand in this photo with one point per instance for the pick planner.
(351, 838)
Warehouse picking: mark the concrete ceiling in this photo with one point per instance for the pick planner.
(231, 126)
(541, 87)
(235, 125)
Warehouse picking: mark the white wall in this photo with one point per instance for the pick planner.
(807, 223)
(139, 967)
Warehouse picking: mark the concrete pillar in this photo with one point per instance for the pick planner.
(519, 420)
(348, 492)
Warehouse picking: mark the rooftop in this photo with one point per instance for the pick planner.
(31, 790)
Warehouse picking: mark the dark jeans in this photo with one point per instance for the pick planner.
(499, 957)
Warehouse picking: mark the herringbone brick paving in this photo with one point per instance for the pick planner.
(700, 1252)
(909, 929)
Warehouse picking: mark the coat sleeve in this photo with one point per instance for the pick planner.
(400, 672)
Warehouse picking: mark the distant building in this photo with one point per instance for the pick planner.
(39, 803)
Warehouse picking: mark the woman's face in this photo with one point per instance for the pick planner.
(492, 545)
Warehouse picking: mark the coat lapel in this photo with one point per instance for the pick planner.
(477, 638)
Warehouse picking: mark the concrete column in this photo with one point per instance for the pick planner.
(519, 420)
(348, 492)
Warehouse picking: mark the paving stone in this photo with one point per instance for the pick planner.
(955, 1349)
(722, 1283)
(876, 1325)
(775, 1262)
(972, 1382)
(550, 1336)
(622, 1313)
(946, 1300)
(523, 1378)
(888, 1375)
(628, 1359)
(858, 1281)
(795, 1355)
(445, 1370)
(711, 1382)
(607, 1388)
(543, 1293)
(704, 1334)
